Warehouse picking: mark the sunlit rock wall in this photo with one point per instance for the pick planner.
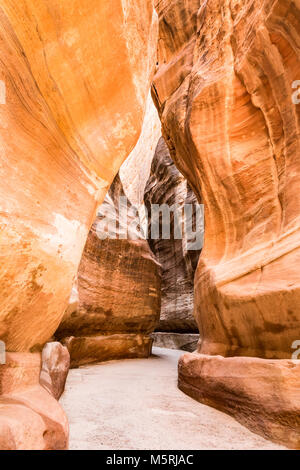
(74, 80)
(224, 88)
(118, 278)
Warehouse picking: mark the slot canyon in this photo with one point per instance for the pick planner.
(108, 111)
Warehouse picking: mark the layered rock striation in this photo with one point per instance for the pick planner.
(167, 186)
(118, 278)
(74, 81)
(118, 293)
(224, 90)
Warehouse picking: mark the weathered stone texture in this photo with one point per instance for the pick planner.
(224, 93)
(167, 185)
(76, 76)
(55, 368)
(119, 278)
(171, 340)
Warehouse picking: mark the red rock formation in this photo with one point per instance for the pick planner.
(76, 77)
(30, 417)
(55, 368)
(166, 185)
(119, 299)
(72, 127)
(224, 92)
(118, 277)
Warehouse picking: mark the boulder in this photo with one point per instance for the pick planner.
(55, 368)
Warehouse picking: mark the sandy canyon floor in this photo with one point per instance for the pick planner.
(135, 404)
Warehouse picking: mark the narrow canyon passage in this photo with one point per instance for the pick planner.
(135, 404)
(150, 174)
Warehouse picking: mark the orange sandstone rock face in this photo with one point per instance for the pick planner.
(224, 92)
(75, 76)
(118, 278)
(119, 301)
(260, 393)
(30, 417)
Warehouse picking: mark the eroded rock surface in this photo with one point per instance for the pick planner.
(167, 185)
(75, 77)
(76, 87)
(119, 298)
(224, 92)
(30, 416)
(119, 277)
(55, 368)
(179, 341)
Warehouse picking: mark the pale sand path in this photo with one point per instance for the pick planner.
(135, 404)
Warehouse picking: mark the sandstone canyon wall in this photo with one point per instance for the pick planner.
(118, 278)
(223, 89)
(167, 185)
(76, 78)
